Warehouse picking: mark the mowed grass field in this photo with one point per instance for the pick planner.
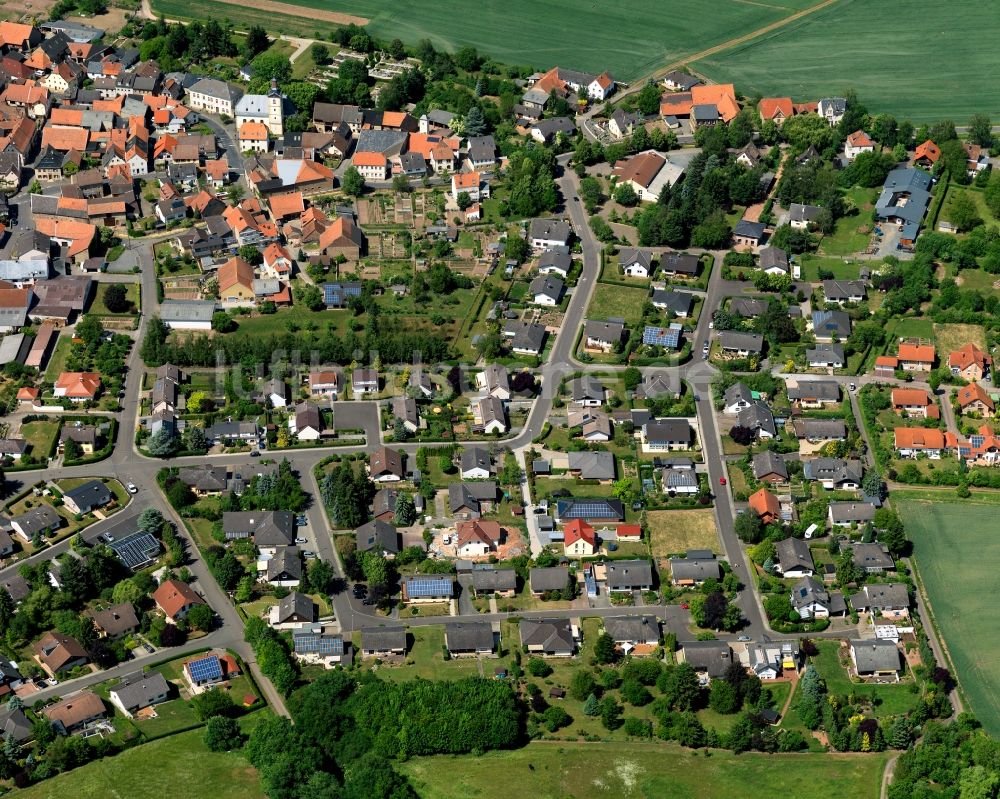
(673, 531)
(178, 765)
(641, 771)
(958, 556)
(882, 50)
(630, 39)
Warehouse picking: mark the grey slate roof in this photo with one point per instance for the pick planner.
(734, 340)
(476, 457)
(139, 689)
(552, 635)
(696, 569)
(873, 557)
(633, 629)
(875, 654)
(711, 657)
(838, 470)
(757, 417)
(377, 534)
(599, 330)
(267, 528)
(793, 555)
(469, 636)
(629, 574)
(593, 465)
(827, 390)
(844, 512)
(878, 596)
(550, 578)
(826, 353)
(767, 462)
(807, 591)
(737, 393)
(493, 580)
(296, 604)
(383, 639)
(820, 428)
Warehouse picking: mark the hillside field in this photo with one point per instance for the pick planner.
(958, 556)
(641, 771)
(881, 49)
(628, 39)
(180, 765)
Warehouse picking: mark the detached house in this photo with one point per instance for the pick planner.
(175, 599)
(857, 143)
(636, 262)
(910, 441)
(766, 506)
(970, 362)
(793, 558)
(847, 514)
(548, 637)
(974, 399)
(875, 657)
(386, 465)
(916, 357)
(892, 600)
(580, 539)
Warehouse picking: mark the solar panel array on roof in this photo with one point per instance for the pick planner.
(590, 510)
(316, 643)
(417, 587)
(661, 336)
(977, 440)
(205, 669)
(135, 551)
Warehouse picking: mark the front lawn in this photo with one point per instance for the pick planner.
(848, 236)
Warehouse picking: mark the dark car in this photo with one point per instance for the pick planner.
(368, 601)
(360, 591)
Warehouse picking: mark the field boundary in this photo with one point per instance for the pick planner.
(691, 58)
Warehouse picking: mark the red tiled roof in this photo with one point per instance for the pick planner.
(764, 503)
(579, 530)
(967, 356)
(917, 353)
(918, 438)
(776, 108)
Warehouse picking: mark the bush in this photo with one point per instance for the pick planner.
(539, 668)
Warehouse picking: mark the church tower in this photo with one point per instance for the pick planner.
(275, 110)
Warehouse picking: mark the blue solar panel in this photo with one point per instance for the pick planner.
(205, 669)
(315, 643)
(977, 440)
(428, 587)
(661, 336)
(339, 293)
(136, 550)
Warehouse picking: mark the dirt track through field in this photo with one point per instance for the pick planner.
(336, 17)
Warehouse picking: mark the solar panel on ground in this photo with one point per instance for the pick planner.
(205, 669)
(136, 550)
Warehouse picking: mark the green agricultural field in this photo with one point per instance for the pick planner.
(638, 770)
(573, 34)
(958, 554)
(155, 770)
(861, 43)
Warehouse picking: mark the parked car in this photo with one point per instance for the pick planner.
(360, 590)
(131, 488)
(301, 540)
(722, 481)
